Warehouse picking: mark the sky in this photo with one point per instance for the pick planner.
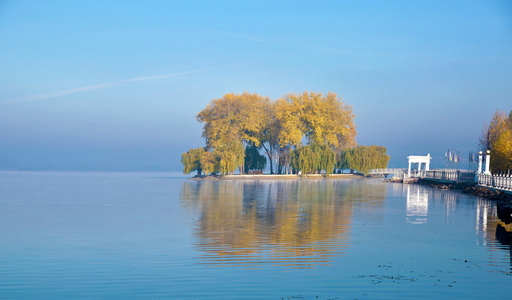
(116, 85)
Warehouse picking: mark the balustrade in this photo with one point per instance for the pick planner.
(451, 175)
(499, 181)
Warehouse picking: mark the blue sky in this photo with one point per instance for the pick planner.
(116, 85)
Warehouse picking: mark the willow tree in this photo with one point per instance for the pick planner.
(304, 159)
(363, 158)
(313, 158)
(327, 158)
(229, 157)
(230, 123)
(209, 163)
(253, 159)
(191, 160)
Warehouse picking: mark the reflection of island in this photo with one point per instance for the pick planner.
(417, 204)
(293, 223)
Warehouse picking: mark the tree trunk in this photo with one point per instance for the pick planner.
(269, 154)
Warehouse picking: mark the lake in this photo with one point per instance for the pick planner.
(152, 235)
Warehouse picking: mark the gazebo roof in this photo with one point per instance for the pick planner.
(418, 158)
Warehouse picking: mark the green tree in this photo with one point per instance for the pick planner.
(253, 159)
(304, 159)
(229, 157)
(363, 158)
(209, 163)
(191, 160)
(312, 158)
(327, 158)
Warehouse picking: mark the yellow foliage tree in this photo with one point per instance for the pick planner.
(499, 123)
(237, 120)
(322, 119)
(328, 120)
(229, 124)
(289, 111)
(234, 117)
(501, 153)
(497, 137)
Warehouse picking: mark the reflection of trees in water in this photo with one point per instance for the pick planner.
(287, 222)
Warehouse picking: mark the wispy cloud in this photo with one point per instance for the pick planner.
(97, 87)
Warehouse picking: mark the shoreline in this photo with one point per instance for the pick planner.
(277, 177)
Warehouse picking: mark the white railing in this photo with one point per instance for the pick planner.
(451, 175)
(502, 182)
(388, 170)
(397, 172)
(415, 173)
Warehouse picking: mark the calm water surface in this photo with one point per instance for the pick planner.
(142, 235)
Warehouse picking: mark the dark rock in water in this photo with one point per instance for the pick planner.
(503, 236)
(505, 212)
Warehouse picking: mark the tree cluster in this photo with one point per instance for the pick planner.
(497, 137)
(304, 133)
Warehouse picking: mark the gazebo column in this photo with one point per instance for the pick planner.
(409, 172)
(479, 162)
(419, 166)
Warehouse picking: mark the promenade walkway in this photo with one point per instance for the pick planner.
(502, 182)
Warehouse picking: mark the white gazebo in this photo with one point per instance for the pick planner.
(415, 159)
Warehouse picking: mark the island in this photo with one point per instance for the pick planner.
(309, 133)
